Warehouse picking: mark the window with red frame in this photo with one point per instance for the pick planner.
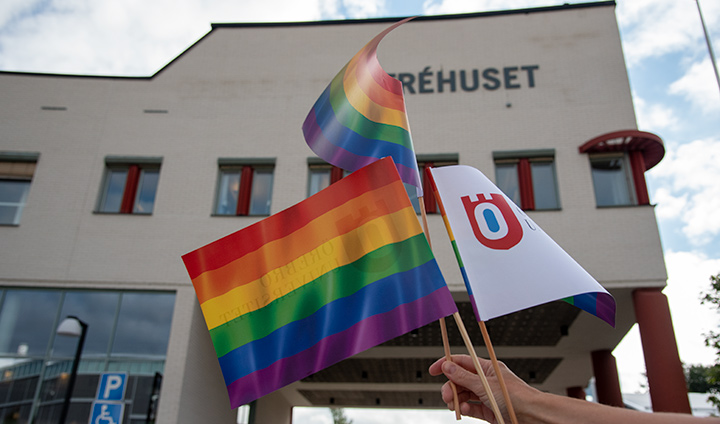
(321, 175)
(425, 162)
(613, 179)
(130, 188)
(528, 178)
(244, 189)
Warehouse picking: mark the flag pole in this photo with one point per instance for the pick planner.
(485, 334)
(466, 340)
(478, 368)
(443, 325)
(496, 367)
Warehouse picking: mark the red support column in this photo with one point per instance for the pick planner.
(637, 164)
(576, 392)
(607, 383)
(668, 392)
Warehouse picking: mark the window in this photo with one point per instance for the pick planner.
(612, 180)
(16, 172)
(127, 332)
(424, 162)
(321, 174)
(528, 178)
(244, 187)
(129, 185)
(618, 161)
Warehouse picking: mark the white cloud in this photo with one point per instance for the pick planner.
(692, 188)
(654, 116)
(699, 86)
(132, 37)
(361, 9)
(653, 28)
(669, 206)
(688, 276)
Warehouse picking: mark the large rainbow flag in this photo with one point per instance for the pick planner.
(507, 261)
(361, 117)
(338, 273)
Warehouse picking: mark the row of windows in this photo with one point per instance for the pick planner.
(127, 332)
(244, 187)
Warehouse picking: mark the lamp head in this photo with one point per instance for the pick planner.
(71, 326)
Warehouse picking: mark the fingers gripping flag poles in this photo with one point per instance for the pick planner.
(334, 275)
(507, 261)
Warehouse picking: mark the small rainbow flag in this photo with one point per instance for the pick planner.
(361, 117)
(507, 261)
(338, 273)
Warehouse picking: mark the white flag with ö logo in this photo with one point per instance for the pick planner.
(507, 261)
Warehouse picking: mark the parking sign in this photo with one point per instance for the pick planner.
(108, 407)
(106, 413)
(112, 386)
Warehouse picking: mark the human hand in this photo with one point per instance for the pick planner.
(473, 398)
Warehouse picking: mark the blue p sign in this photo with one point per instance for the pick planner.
(112, 386)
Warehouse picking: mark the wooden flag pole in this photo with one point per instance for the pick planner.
(496, 367)
(478, 368)
(443, 326)
(471, 350)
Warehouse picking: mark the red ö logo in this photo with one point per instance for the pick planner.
(493, 221)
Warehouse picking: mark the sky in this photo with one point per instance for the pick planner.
(674, 87)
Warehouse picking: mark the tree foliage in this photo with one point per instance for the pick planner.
(712, 339)
(338, 416)
(698, 378)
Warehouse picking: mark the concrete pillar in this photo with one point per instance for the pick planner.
(195, 387)
(607, 383)
(668, 392)
(576, 392)
(272, 408)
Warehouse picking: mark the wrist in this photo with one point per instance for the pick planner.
(532, 406)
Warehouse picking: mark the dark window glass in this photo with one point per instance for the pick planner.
(147, 187)
(261, 192)
(611, 181)
(143, 325)
(113, 190)
(228, 188)
(97, 309)
(319, 179)
(544, 185)
(13, 194)
(27, 318)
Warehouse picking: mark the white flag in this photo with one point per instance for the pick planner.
(508, 262)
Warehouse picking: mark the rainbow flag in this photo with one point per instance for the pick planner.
(361, 117)
(507, 261)
(338, 273)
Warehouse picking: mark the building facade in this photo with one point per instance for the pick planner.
(107, 181)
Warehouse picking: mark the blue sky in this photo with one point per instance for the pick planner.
(674, 89)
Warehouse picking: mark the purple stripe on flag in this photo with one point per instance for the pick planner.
(330, 350)
(343, 158)
(605, 308)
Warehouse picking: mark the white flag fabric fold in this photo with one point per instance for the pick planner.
(507, 261)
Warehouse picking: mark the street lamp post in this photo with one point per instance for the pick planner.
(72, 326)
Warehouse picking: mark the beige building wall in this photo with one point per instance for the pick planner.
(244, 91)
